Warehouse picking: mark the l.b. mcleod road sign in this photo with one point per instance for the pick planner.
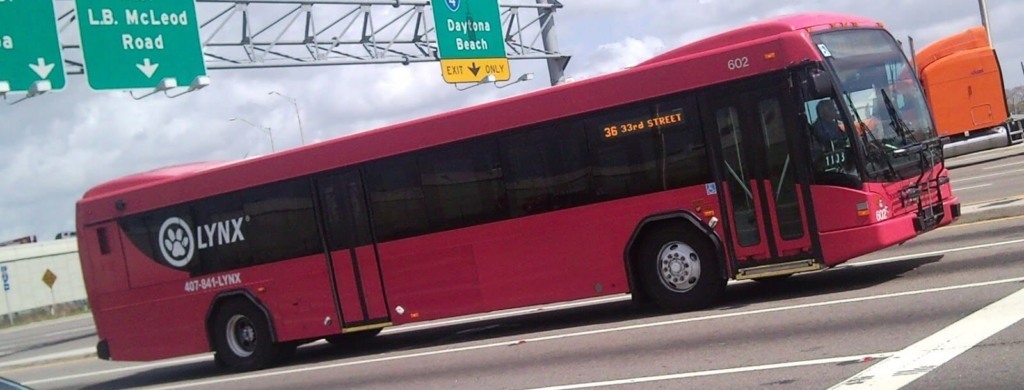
(137, 43)
(470, 40)
(29, 45)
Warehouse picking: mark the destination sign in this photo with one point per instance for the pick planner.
(622, 128)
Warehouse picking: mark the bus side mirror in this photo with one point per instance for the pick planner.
(820, 85)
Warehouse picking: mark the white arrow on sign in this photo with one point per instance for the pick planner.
(41, 68)
(147, 68)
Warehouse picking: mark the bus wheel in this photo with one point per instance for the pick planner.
(242, 339)
(680, 271)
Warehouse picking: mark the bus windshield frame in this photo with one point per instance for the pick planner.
(881, 96)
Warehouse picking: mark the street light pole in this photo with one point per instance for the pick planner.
(269, 132)
(298, 117)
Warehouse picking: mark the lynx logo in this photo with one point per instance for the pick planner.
(176, 242)
(220, 233)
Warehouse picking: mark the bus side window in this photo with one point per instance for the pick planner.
(546, 169)
(269, 207)
(396, 197)
(344, 210)
(104, 241)
(625, 150)
(462, 185)
(686, 162)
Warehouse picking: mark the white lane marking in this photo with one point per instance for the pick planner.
(141, 367)
(503, 344)
(958, 189)
(28, 341)
(403, 328)
(1001, 166)
(74, 353)
(926, 355)
(972, 178)
(979, 156)
(89, 328)
(835, 360)
(932, 253)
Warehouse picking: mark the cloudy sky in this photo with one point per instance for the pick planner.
(56, 146)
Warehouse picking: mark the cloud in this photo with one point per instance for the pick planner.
(616, 56)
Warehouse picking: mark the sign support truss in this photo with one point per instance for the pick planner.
(254, 34)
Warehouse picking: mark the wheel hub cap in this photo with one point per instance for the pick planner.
(241, 336)
(679, 266)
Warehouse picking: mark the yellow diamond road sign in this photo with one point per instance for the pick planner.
(49, 278)
(474, 70)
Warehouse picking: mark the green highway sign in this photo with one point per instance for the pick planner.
(470, 41)
(468, 29)
(137, 43)
(29, 45)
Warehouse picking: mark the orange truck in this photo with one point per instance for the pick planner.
(964, 87)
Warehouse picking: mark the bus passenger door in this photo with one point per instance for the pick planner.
(765, 193)
(352, 255)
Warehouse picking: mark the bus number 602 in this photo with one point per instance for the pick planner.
(738, 63)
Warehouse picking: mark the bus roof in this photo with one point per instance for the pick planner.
(657, 77)
(155, 176)
(766, 28)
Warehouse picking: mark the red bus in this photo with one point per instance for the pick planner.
(704, 164)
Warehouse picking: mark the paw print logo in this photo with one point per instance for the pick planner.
(176, 242)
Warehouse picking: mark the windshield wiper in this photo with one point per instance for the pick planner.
(895, 117)
(865, 133)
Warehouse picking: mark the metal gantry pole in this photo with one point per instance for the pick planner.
(984, 19)
(260, 34)
(913, 54)
(556, 66)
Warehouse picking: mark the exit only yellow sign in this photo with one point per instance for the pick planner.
(468, 70)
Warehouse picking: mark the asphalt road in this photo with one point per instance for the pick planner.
(941, 311)
(988, 175)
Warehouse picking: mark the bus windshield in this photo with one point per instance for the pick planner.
(882, 97)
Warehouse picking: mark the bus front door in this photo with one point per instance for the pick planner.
(765, 193)
(352, 255)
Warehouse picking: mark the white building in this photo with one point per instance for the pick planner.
(24, 288)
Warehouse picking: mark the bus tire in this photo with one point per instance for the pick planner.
(679, 270)
(242, 337)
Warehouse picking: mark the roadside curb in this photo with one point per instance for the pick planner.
(33, 325)
(993, 209)
(984, 156)
(52, 358)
